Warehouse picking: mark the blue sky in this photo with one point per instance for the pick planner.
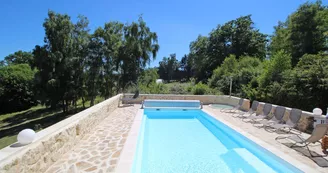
(177, 22)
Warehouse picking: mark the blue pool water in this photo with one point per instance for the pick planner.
(221, 106)
(192, 141)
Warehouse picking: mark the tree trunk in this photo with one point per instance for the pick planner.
(66, 106)
(75, 104)
(64, 109)
(83, 102)
(92, 101)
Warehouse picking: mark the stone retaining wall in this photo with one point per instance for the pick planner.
(52, 142)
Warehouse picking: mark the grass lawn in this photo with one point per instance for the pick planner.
(36, 118)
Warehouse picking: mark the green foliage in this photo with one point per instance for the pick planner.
(154, 88)
(19, 57)
(74, 64)
(237, 37)
(275, 67)
(241, 72)
(139, 47)
(303, 87)
(148, 77)
(168, 67)
(226, 70)
(54, 61)
(16, 88)
(178, 89)
(199, 58)
(304, 32)
(202, 89)
(310, 78)
(199, 89)
(147, 83)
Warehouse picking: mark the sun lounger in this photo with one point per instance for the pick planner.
(265, 114)
(319, 131)
(291, 123)
(275, 119)
(236, 108)
(252, 111)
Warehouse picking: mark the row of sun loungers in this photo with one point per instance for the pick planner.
(274, 121)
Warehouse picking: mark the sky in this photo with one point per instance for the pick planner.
(176, 22)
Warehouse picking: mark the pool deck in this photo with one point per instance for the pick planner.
(111, 146)
(99, 150)
(267, 139)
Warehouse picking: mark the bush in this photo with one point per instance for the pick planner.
(178, 89)
(16, 88)
(153, 88)
(200, 89)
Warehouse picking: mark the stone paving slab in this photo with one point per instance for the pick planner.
(99, 150)
(269, 137)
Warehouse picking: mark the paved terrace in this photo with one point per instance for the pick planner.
(100, 150)
(269, 138)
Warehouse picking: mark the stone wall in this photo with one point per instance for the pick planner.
(51, 143)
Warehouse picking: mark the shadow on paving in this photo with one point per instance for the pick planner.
(318, 159)
(34, 124)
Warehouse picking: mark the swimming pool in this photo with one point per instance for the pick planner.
(221, 106)
(174, 140)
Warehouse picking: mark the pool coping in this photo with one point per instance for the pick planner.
(129, 150)
(125, 162)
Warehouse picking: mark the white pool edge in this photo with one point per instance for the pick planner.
(267, 146)
(125, 162)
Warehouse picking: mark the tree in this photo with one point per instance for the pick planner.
(96, 55)
(81, 39)
(19, 57)
(168, 67)
(304, 32)
(16, 88)
(275, 67)
(222, 75)
(139, 47)
(54, 61)
(186, 66)
(236, 37)
(199, 57)
(148, 77)
(112, 37)
(310, 78)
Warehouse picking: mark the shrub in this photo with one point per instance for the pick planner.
(200, 89)
(178, 89)
(153, 88)
(16, 88)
